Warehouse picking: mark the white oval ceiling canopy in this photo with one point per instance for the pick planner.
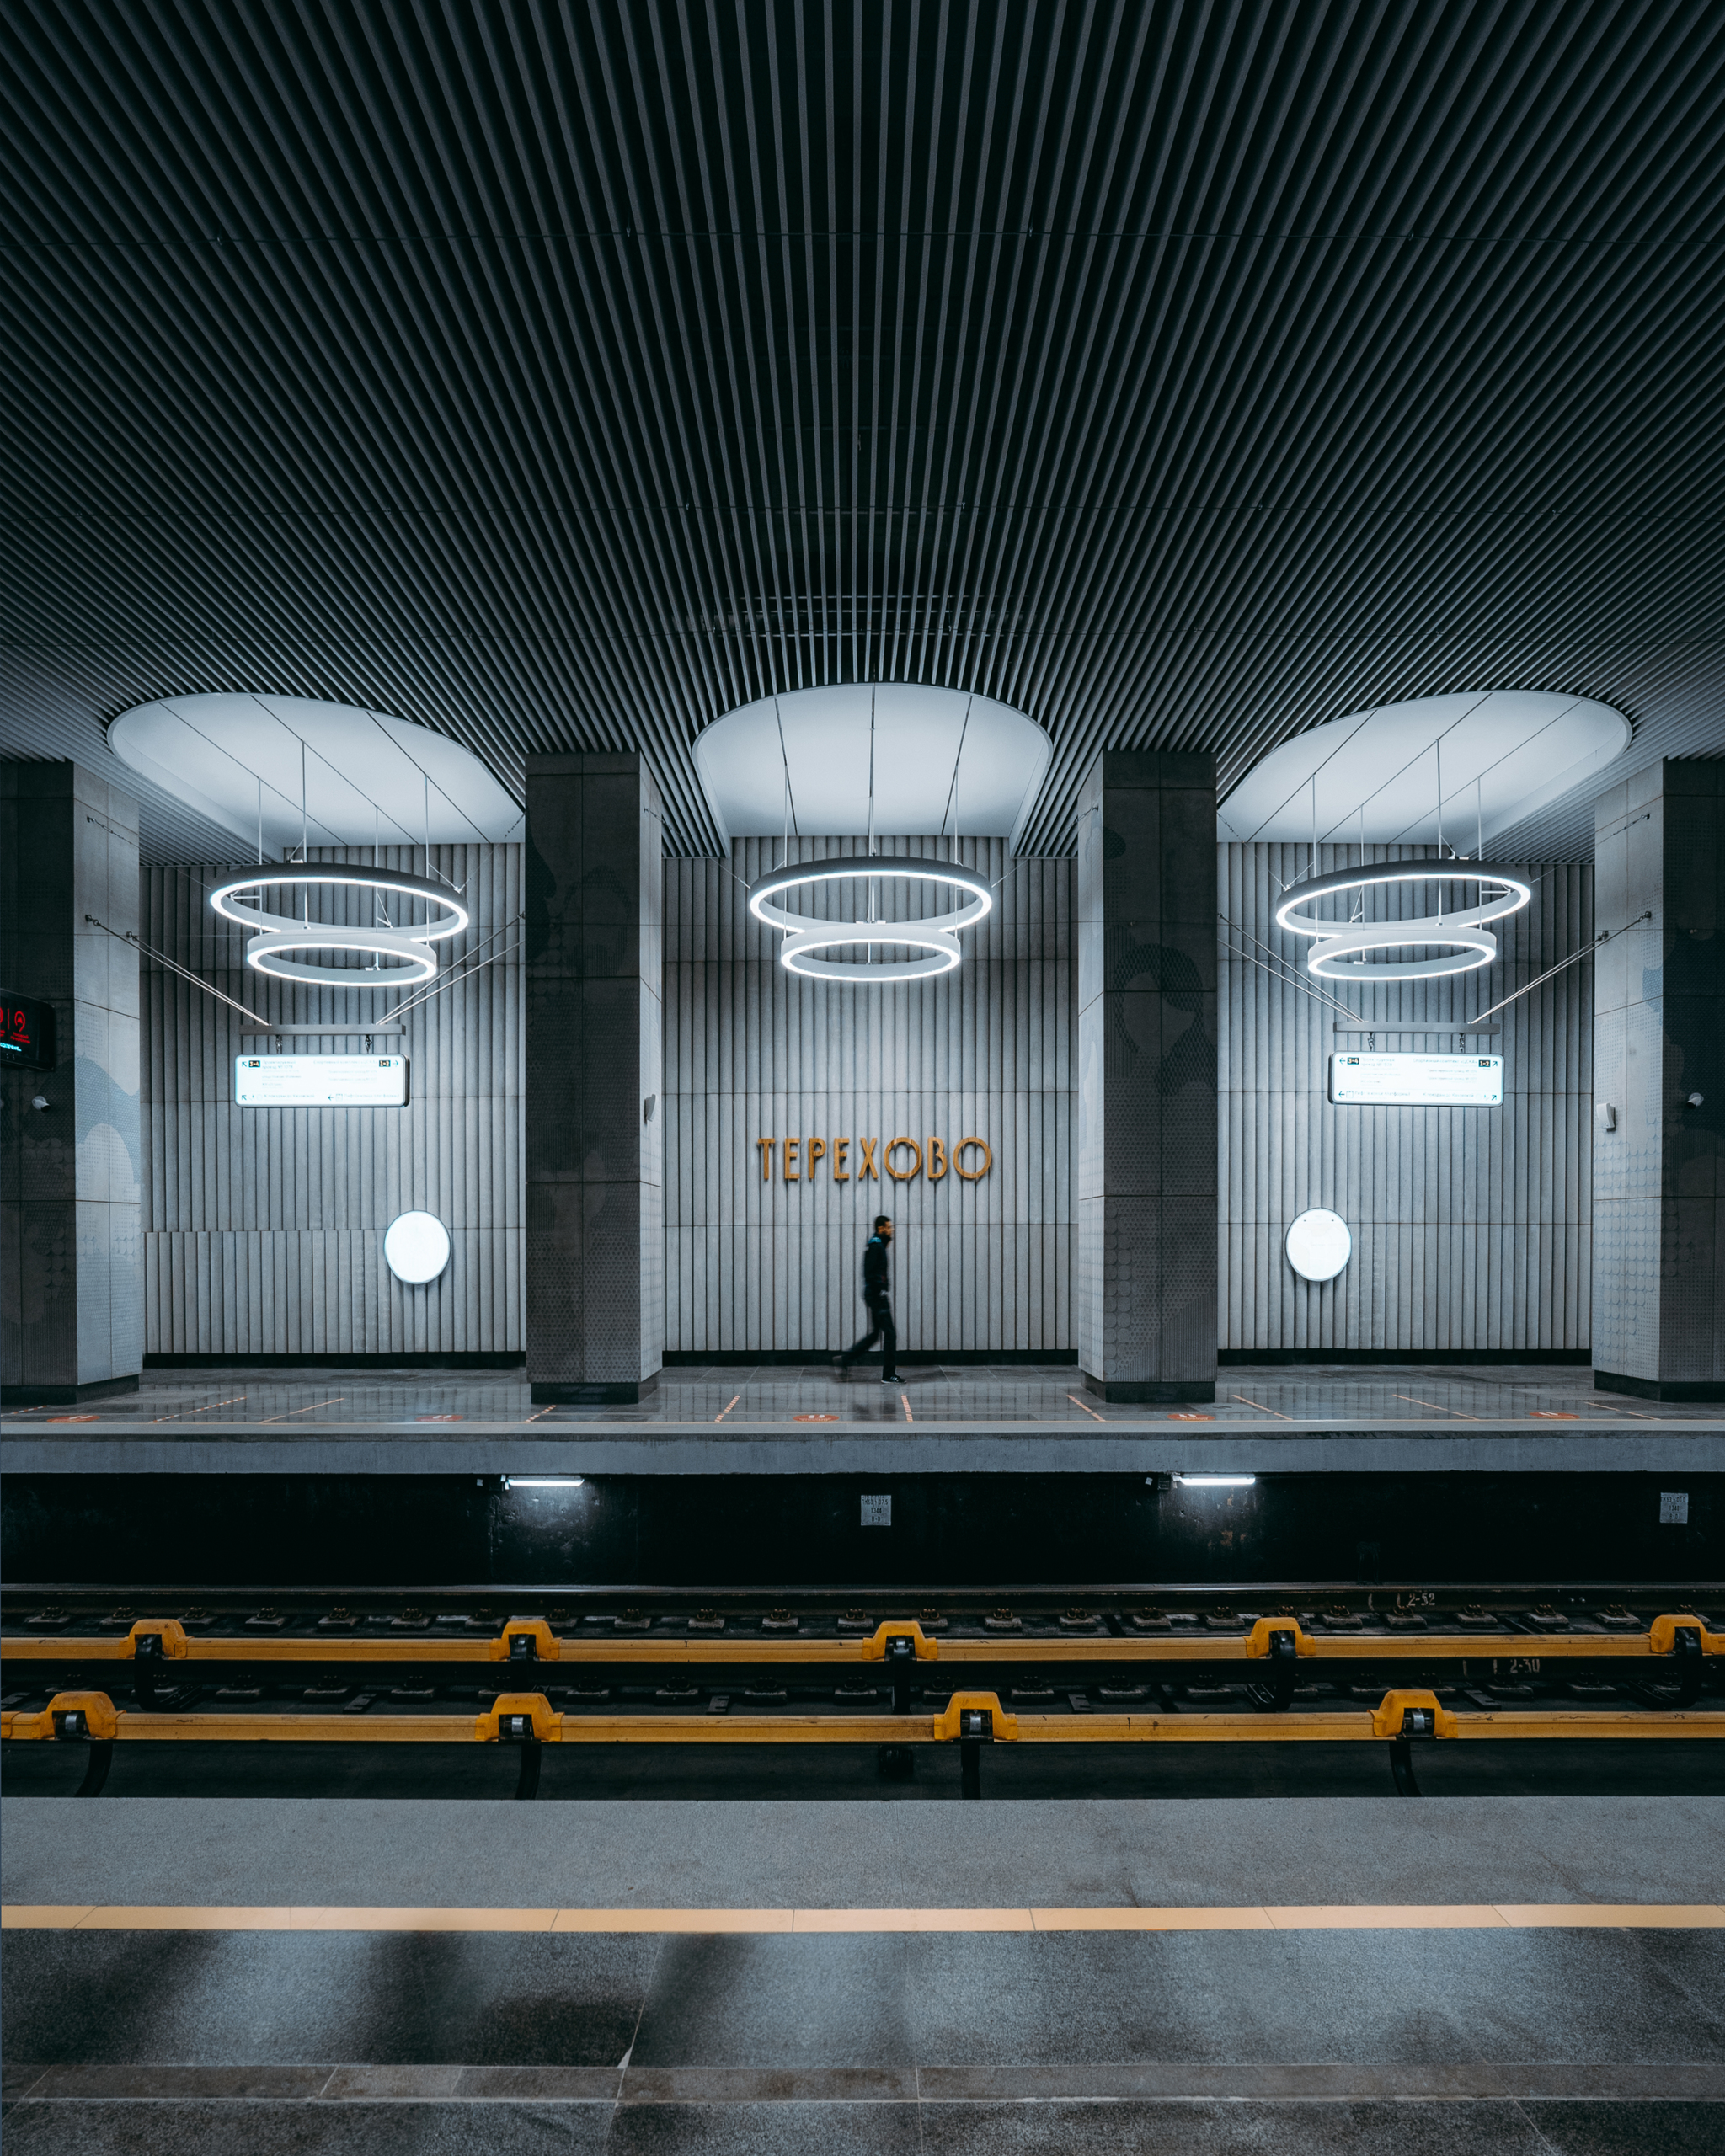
(1505, 754)
(943, 762)
(368, 778)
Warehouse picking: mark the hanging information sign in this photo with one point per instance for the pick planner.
(1436, 1081)
(320, 1081)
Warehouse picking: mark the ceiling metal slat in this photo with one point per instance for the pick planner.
(555, 384)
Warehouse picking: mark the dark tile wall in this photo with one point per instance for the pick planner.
(1147, 1197)
(72, 1297)
(595, 1125)
(1659, 1020)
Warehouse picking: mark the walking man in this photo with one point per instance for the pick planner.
(877, 1298)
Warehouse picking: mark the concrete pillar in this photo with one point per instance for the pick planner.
(1147, 1213)
(1658, 1259)
(71, 1265)
(595, 1083)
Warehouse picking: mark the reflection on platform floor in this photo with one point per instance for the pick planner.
(1535, 1395)
(453, 2016)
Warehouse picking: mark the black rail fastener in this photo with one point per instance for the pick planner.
(1283, 1658)
(975, 1729)
(527, 1781)
(96, 1767)
(897, 1763)
(146, 1664)
(1416, 1722)
(1690, 1658)
(73, 1727)
(518, 1729)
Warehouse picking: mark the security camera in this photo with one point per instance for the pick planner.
(1695, 1099)
(40, 1102)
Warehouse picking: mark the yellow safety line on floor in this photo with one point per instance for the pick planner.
(1342, 1916)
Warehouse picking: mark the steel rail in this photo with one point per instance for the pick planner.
(1655, 1643)
(1322, 1726)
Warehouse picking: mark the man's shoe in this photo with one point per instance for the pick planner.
(885, 1380)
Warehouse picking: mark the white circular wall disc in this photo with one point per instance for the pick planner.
(1319, 1245)
(416, 1248)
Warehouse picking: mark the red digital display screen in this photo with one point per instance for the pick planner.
(26, 1031)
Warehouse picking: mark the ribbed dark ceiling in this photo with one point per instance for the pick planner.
(563, 376)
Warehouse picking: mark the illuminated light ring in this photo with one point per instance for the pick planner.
(1464, 931)
(936, 934)
(279, 934)
(945, 953)
(267, 954)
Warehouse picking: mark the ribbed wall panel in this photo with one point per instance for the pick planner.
(1471, 1227)
(263, 1227)
(751, 1053)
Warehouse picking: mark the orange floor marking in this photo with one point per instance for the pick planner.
(1341, 1916)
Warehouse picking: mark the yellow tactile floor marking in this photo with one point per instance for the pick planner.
(1344, 1916)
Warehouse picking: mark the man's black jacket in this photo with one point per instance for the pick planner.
(875, 1270)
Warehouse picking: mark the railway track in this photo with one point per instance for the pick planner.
(1123, 1665)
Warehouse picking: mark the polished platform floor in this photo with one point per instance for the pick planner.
(1424, 1418)
(1337, 1396)
(1540, 1977)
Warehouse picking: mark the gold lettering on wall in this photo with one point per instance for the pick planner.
(905, 1175)
(798, 1158)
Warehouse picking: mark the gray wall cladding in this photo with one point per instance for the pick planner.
(1659, 1012)
(264, 1227)
(1472, 1227)
(71, 1186)
(751, 1053)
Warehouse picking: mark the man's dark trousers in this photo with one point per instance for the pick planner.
(881, 1328)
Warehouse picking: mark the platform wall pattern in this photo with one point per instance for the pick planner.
(264, 1227)
(751, 1053)
(1471, 1227)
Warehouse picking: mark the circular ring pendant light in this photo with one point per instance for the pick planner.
(1341, 949)
(936, 934)
(407, 949)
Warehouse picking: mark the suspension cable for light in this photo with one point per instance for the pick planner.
(407, 950)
